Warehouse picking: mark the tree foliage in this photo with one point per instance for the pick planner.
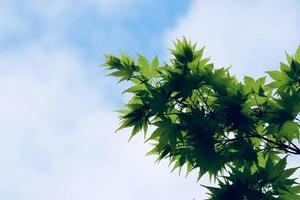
(240, 133)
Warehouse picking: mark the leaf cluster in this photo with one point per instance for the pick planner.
(207, 120)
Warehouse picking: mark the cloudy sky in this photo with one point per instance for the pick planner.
(57, 136)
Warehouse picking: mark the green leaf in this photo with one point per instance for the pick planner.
(153, 151)
(147, 70)
(295, 189)
(289, 58)
(288, 172)
(126, 60)
(284, 67)
(261, 81)
(297, 55)
(145, 66)
(290, 130)
(135, 130)
(269, 165)
(279, 167)
(249, 81)
(155, 62)
(157, 133)
(134, 89)
(276, 75)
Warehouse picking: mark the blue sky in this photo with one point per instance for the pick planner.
(56, 125)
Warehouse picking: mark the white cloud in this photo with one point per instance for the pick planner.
(56, 129)
(249, 35)
(57, 138)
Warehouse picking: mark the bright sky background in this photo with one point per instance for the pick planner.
(57, 127)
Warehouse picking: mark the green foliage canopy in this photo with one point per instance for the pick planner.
(240, 133)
